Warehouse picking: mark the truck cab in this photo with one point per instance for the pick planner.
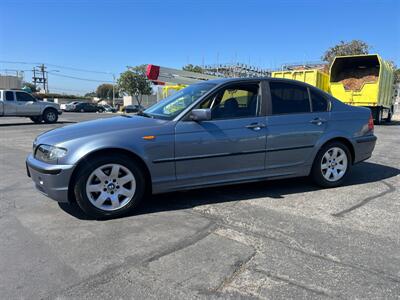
(16, 103)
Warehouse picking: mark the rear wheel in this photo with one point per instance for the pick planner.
(50, 115)
(331, 165)
(390, 115)
(378, 116)
(109, 186)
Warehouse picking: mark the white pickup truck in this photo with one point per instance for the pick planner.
(15, 103)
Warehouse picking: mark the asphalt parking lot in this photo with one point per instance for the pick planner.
(277, 239)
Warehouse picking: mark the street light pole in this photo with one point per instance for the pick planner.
(113, 101)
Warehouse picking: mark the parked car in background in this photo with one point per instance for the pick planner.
(68, 106)
(133, 108)
(87, 107)
(108, 108)
(211, 133)
(16, 103)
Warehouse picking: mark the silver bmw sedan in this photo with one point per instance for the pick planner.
(211, 133)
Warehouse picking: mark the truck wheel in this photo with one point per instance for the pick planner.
(109, 186)
(36, 120)
(390, 115)
(50, 115)
(331, 165)
(378, 116)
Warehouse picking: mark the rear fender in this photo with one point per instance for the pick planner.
(329, 137)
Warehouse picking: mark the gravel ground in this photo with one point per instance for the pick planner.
(277, 239)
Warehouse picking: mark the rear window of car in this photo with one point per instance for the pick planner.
(318, 101)
(9, 96)
(289, 98)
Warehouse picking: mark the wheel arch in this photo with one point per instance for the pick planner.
(344, 141)
(105, 151)
(49, 107)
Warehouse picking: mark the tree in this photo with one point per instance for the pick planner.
(90, 95)
(134, 82)
(30, 86)
(105, 91)
(396, 71)
(397, 75)
(353, 47)
(192, 68)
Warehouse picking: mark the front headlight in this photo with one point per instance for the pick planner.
(49, 154)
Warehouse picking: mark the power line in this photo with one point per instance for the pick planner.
(68, 90)
(57, 66)
(80, 78)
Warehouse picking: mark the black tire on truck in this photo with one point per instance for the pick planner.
(36, 120)
(378, 115)
(390, 114)
(50, 115)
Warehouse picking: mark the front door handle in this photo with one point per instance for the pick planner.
(255, 126)
(317, 121)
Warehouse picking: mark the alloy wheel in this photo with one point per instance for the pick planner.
(110, 187)
(334, 164)
(51, 116)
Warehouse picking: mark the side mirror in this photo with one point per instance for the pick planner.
(198, 115)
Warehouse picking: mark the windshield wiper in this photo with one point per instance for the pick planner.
(143, 114)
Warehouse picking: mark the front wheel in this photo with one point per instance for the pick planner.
(331, 165)
(50, 116)
(109, 187)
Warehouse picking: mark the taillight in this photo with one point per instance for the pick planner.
(371, 123)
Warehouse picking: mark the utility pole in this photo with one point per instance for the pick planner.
(40, 76)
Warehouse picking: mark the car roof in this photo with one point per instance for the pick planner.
(251, 79)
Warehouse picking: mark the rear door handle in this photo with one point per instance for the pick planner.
(317, 121)
(255, 126)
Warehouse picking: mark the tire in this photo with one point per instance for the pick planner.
(390, 115)
(36, 120)
(378, 116)
(326, 166)
(50, 115)
(109, 197)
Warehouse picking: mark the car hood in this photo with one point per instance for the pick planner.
(47, 103)
(96, 127)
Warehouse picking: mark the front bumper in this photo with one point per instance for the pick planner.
(363, 147)
(50, 180)
(60, 111)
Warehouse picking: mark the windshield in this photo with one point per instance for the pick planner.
(171, 106)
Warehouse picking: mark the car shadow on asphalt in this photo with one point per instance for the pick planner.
(365, 172)
(34, 124)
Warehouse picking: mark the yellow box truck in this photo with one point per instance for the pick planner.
(364, 80)
(314, 77)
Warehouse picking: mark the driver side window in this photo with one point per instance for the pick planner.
(25, 97)
(234, 101)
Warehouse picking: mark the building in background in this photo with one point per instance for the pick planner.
(235, 70)
(8, 82)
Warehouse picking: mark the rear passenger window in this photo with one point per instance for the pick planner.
(9, 96)
(319, 103)
(289, 98)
